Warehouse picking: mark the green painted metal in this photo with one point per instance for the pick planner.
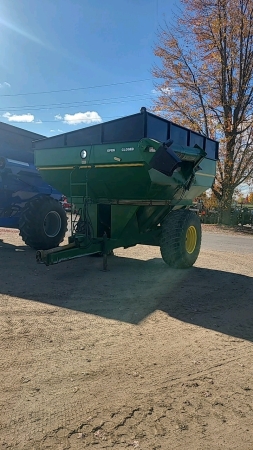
(121, 171)
(122, 196)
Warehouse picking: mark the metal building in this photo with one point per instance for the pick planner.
(16, 143)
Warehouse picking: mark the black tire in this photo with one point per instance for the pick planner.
(176, 251)
(43, 223)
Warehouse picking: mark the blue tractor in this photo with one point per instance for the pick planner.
(28, 203)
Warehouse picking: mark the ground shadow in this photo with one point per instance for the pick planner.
(132, 289)
(6, 246)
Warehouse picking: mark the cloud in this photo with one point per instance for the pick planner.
(162, 90)
(167, 90)
(54, 131)
(80, 117)
(19, 117)
(5, 84)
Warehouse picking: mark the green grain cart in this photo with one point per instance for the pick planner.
(132, 181)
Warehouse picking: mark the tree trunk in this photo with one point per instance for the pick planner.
(225, 205)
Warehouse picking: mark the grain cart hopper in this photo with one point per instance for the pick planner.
(133, 180)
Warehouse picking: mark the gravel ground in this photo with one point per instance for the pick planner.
(142, 356)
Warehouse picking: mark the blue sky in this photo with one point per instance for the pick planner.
(59, 45)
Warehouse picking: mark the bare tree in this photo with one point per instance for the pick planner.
(205, 82)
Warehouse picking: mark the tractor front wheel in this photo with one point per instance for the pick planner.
(180, 239)
(43, 223)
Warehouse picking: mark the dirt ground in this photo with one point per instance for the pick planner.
(141, 357)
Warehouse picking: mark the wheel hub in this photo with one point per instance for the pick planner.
(52, 224)
(191, 239)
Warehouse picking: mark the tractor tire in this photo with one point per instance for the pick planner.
(43, 223)
(180, 239)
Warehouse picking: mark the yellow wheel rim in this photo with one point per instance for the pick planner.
(191, 239)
